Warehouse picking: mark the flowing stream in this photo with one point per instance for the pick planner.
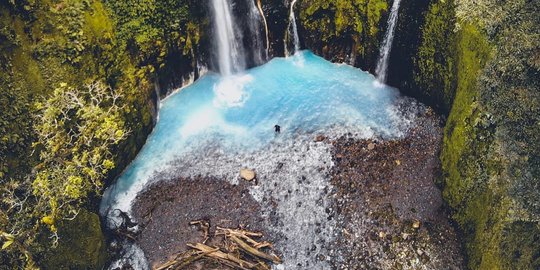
(259, 46)
(386, 47)
(231, 55)
(292, 31)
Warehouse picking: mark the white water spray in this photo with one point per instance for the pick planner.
(230, 51)
(386, 48)
(292, 30)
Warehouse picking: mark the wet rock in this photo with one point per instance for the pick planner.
(247, 174)
(377, 183)
(320, 138)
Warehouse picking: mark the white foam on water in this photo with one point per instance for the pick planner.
(133, 256)
(230, 91)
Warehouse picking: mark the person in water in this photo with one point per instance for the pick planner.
(277, 128)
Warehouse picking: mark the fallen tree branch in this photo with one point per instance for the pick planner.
(255, 252)
(222, 256)
(238, 250)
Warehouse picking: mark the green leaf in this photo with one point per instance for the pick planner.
(7, 244)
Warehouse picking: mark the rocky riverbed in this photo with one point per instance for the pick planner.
(380, 208)
(388, 205)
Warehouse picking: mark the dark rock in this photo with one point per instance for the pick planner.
(81, 244)
(320, 138)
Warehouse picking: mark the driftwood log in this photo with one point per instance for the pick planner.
(237, 250)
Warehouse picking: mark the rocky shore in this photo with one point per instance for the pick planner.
(388, 206)
(387, 211)
(166, 210)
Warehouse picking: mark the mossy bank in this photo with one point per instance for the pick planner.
(478, 62)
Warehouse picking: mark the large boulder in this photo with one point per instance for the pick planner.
(81, 244)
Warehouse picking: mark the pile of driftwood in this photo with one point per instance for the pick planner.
(237, 249)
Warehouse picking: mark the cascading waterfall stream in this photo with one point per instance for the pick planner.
(259, 6)
(292, 29)
(230, 51)
(382, 65)
(256, 16)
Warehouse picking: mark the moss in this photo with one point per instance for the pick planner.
(375, 11)
(19, 75)
(520, 245)
(436, 63)
(467, 142)
(481, 164)
(344, 17)
(339, 28)
(472, 53)
(81, 245)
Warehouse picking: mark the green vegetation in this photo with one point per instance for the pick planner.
(340, 22)
(82, 234)
(77, 133)
(76, 79)
(436, 67)
(483, 65)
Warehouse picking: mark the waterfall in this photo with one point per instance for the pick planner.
(259, 6)
(260, 51)
(230, 51)
(294, 29)
(386, 48)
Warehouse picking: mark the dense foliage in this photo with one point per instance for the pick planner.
(76, 80)
(77, 130)
(77, 133)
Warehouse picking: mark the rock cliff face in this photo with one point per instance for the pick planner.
(474, 69)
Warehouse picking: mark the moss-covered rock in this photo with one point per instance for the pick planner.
(344, 31)
(470, 64)
(423, 27)
(81, 245)
(47, 43)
